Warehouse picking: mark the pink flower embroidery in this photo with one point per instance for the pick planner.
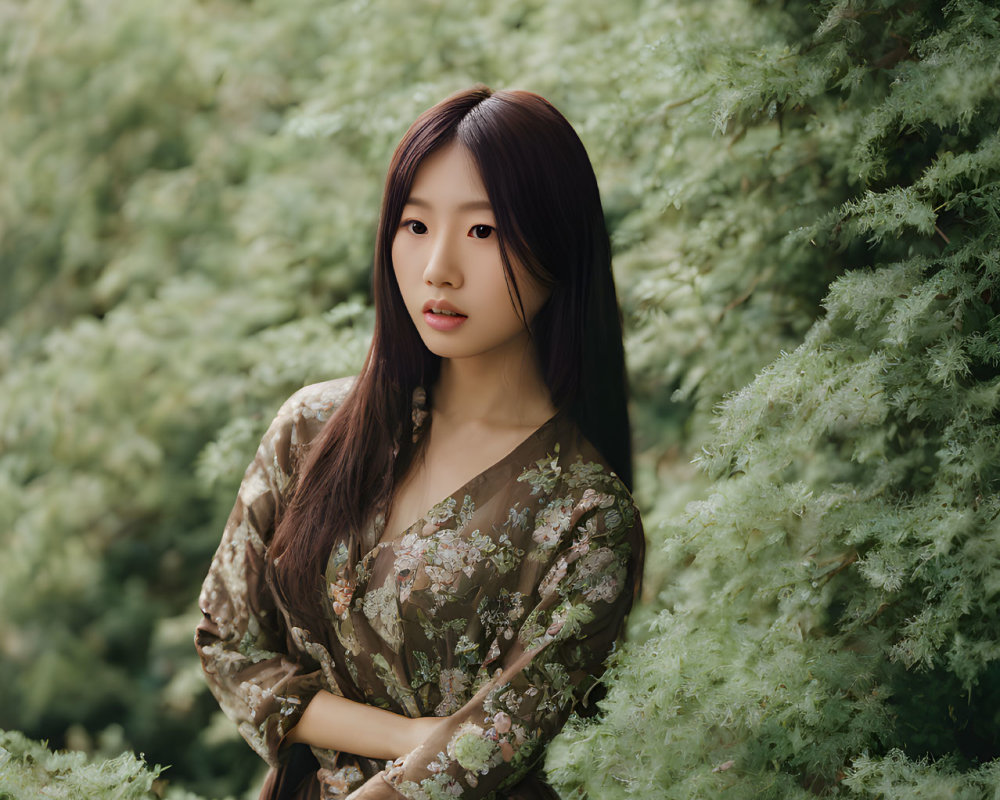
(340, 593)
(501, 721)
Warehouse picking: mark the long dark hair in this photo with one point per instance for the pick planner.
(548, 210)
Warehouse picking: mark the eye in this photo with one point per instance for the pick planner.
(480, 231)
(415, 226)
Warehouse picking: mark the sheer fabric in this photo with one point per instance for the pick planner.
(496, 609)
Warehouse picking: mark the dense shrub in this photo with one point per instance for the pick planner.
(802, 192)
(831, 604)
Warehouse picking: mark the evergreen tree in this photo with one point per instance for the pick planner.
(830, 607)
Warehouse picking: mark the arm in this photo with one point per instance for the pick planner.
(336, 723)
(254, 665)
(526, 696)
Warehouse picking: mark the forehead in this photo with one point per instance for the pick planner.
(448, 178)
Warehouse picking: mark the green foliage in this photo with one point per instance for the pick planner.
(829, 625)
(894, 777)
(804, 201)
(29, 771)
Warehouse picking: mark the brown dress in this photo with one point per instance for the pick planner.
(496, 609)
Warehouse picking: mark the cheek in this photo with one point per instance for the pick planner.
(533, 294)
(537, 297)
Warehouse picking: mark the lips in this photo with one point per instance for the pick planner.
(442, 315)
(442, 308)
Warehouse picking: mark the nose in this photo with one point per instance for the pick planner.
(443, 267)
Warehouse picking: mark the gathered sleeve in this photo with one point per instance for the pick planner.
(588, 552)
(253, 663)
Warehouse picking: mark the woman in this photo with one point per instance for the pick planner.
(371, 639)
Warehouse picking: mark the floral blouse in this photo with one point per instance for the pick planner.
(496, 609)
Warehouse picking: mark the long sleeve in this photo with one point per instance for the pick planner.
(254, 664)
(588, 544)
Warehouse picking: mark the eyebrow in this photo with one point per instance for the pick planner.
(472, 205)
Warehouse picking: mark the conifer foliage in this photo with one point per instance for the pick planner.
(831, 607)
(804, 200)
(26, 767)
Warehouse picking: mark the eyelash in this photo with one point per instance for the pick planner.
(408, 224)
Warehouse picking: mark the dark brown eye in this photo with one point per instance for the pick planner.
(481, 231)
(416, 226)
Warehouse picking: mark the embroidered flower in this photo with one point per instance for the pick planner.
(551, 580)
(406, 565)
(393, 773)
(552, 523)
(612, 518)
(453, 683)
(381, 608)
(443, 511)
(596, 563)
(501, 722)
(254, 695)
(470, 747)
(340, 593)
(607, 590)
(335, 785)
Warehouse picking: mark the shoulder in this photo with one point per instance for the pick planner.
(586, 520)
(300, 419)
(573, 472)
(582, 467)
(613, 527)
(588, 476)
(317, 400)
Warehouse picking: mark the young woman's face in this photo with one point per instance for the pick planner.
(447, 263)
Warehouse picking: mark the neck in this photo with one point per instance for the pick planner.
(504, 388)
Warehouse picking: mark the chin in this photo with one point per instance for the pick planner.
(443, 351)
(436, 346)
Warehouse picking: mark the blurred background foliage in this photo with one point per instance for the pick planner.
(804, 199)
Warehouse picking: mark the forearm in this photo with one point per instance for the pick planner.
(336, 723)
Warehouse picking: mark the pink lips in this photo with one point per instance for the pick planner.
(439, 321)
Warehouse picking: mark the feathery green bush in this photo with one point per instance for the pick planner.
(803, 199)
(830, 607)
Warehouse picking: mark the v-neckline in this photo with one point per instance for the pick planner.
(381, 543)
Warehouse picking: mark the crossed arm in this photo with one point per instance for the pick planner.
(336, 723)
